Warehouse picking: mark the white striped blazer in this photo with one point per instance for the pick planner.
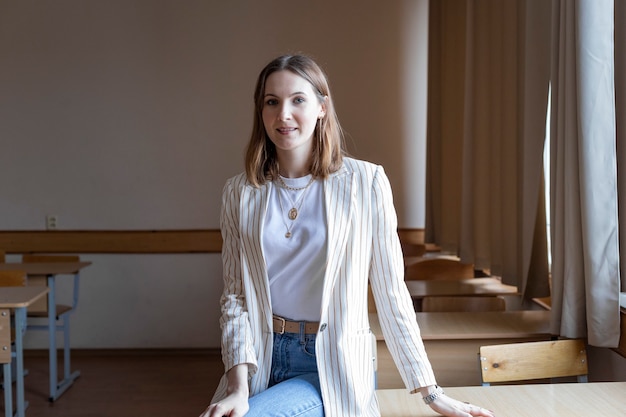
(362, 244)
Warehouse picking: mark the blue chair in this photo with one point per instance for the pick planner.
(63, 313)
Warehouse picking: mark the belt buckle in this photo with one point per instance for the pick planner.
(282, 327)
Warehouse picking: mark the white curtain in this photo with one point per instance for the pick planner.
(620, 111)
(584, 204)
(489, 69)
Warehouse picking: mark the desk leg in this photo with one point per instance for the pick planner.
(8, 392)
(52, 339)
(57, 388)
(20, 327)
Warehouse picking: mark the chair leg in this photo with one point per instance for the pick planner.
(66, 347)
(52, 361)
(58, 387)
(8, 393)
(52, 339)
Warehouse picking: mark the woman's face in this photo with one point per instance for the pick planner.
(290, 112)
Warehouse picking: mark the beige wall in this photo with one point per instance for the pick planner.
(131, 114)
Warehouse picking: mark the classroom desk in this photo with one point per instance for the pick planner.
(462, 287)
(604, 399)
(487, 287)
(19, 298)
(452, 341)
(50, 270)
(429, 254)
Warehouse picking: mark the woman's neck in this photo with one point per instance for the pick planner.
(290, 167)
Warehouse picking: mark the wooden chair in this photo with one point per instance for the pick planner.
(12, 278)
(472, 304)
(8, 279)
(63, 311)
(533, 360)
(439, 268)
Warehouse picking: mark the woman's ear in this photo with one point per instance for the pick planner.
(323, 109)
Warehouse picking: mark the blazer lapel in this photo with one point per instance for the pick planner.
(339, 204)
(253, 206)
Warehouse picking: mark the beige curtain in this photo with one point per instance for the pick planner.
(584, 215)
(489, 69)
(620, 113)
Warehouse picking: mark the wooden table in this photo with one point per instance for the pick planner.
(429, 254)
(19, 298)
(462, 287)
(452, 341)
(604, 399)
(486, 287)
(51, 270)
(45, 268)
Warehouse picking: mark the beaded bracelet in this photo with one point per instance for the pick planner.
(438, 392)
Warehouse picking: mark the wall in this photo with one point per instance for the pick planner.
(131, 114)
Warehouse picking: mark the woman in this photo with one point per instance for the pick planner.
(305, 229)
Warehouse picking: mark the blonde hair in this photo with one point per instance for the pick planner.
(261, 158)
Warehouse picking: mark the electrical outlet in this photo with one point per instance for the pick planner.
(52, 222)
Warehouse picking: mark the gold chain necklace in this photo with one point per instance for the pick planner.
(293, 213)
(284, 185)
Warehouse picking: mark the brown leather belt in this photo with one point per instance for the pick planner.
(285, 326)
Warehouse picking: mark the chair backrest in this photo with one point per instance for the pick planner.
(533, 360)
(473, 304)
(439, 269)
(12, 278)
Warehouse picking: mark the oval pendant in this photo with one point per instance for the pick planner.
(293, 214)
(288, 235)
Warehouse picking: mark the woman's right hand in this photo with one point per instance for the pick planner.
(233, 405)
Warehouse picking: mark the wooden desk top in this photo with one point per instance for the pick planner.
(462, 287)
(604, 399)
(45, 268)
(15, 297)
(481, 325)
(412, 259)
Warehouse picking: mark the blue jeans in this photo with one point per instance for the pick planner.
(294, 388)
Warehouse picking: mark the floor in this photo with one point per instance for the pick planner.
(126, 383)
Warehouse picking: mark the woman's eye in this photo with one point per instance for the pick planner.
(299, 100)
(271, 102)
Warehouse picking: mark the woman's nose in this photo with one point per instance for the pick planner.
(284, 113)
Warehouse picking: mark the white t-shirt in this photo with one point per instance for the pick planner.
(296, 264)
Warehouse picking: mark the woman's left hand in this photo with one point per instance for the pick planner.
(453, 408)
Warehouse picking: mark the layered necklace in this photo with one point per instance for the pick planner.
(296, 204)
